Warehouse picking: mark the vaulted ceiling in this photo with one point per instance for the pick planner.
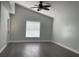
(29, 4)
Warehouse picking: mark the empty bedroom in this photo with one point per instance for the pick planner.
(39, 28)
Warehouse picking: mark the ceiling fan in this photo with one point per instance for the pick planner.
(41, 6)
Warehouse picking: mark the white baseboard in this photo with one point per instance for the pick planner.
(3, 48)
(29, 41)
(75, 51)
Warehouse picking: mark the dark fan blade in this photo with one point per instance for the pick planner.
(45, 8)
(47, 3)
(38, 9)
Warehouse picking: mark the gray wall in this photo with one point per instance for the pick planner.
(18, 24)
(0, 23)
(66, 24)
(3, 26)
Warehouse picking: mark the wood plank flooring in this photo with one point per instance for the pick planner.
(36, 50)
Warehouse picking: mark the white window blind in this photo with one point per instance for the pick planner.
(32, 29)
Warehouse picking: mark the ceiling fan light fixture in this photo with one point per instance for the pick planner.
(40, 6)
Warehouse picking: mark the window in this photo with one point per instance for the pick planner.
(32, 29)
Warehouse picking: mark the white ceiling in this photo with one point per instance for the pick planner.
(30, 4)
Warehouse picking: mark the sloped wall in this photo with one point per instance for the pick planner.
(18, 24)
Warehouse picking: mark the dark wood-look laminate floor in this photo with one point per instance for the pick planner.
(36, 50)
